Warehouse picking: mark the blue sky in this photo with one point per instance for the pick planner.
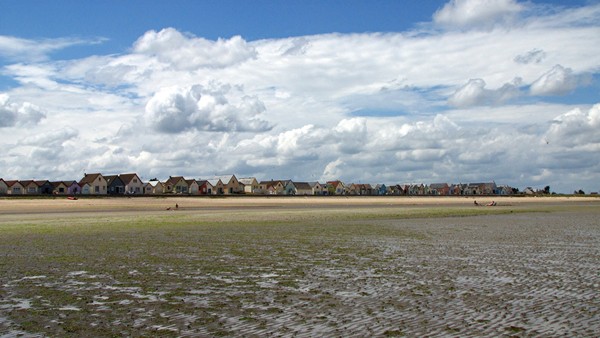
(370, 91)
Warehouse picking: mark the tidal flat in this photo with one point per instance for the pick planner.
(365, 269)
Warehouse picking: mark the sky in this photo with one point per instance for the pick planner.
(378, 91)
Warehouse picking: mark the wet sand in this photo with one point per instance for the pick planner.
(533, 272)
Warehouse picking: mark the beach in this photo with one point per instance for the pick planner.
(305, 267)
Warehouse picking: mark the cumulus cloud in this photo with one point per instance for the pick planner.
(18, 114)
(351, 135)
(474, 93)
(476, 13)
(557, 81)
(217, 109)
(576, 128)
(185, 51)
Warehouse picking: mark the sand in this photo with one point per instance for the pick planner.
(62, 205)
(285, 267)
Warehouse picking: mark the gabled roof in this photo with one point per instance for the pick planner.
(65, 183)
(42, 182)
(335, 184)
(302, 185)
(90, 178)
(224, 178)
(25, 182)
(313, 184)
(12, 182)
(56, 184)
(112, 178)
(127, 178)
(175, 179)
(438, 185)
(247, 180)
(203, 182)
(190, 181)
(214, 182)
(154, 183)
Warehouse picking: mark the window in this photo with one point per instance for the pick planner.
(135, 180)
(97, 189)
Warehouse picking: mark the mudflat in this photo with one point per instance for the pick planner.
(299, 266)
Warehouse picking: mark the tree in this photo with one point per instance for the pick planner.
(547, 190)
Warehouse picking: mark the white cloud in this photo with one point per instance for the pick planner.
(557, 81)
(189, 52)
(474, 93)
(21, 50)
(576, 129)
(18, 114)
(468, 13)
(175, 109)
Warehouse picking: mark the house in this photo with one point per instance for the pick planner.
(133, 184)
(65, 188)
(176, 185)
(97, 184)
(14, 188)
(380, 190)
(231, 185)
(155, 187)
(273, 187)
(218, 188)
(317, 188)
(250, 184)
(59, 188)
(148, 188)
(299, 188)
(44, 187)
(440, 189)
(335, 188)
(204, 187)
(353, 189)
(29, 187)
(193, 187)
(85, 188)
(3, 187)
(504, 190)
(361, 189)
(115, 185)
(481, 188)
(396, 190)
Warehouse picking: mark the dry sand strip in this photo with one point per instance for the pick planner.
(17, 206)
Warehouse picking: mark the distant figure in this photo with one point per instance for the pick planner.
(475, 202)
(176, 206)
(491, 204)
(169, 208)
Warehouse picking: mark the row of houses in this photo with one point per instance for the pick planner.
(132, 184)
